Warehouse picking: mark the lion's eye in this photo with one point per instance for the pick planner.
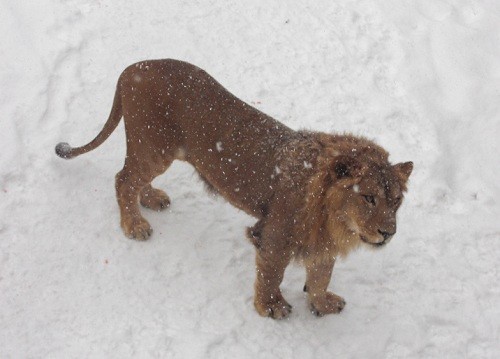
(370, 199)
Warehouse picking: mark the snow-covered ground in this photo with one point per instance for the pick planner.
(421, 77)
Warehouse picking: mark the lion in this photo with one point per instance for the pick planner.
(315, 196)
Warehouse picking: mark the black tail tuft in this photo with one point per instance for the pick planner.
(63, 150)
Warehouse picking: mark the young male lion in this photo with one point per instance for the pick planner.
(316, 196)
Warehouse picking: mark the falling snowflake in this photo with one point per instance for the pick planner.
(218, 146)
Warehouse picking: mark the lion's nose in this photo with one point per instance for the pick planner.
(386, 235)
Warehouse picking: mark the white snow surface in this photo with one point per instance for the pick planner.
(422, 78)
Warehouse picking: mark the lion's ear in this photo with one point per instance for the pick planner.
(345, 166)
(403, 171)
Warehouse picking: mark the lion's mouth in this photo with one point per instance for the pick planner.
(379, 244)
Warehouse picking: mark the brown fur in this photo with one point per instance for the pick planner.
(316, 196)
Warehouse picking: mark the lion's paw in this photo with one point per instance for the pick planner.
(328, 303)
(155, 199)
(138, 229)
(276, 309)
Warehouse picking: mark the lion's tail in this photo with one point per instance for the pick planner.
(64, 150)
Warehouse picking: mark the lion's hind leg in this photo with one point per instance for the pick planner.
(154, 198)
(254, 233)
(134, 182)
(128, 184)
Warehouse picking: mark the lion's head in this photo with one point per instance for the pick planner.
(365, 195)
(358, 195)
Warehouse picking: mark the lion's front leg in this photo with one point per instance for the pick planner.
(269, 301)
(321, 301)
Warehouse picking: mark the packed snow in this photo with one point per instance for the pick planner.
(420, 77)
